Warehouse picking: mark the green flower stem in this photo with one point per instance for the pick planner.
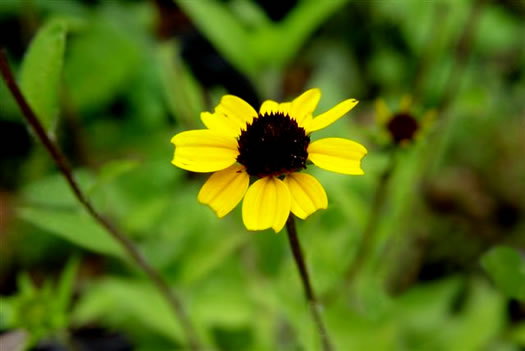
(295, 246)
(368, 236)
(429, 54)
(64, 167)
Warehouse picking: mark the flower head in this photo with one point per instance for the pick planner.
(271, 147)
(402, 126)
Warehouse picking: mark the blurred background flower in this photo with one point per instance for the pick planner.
(112, 81)
(402, 126)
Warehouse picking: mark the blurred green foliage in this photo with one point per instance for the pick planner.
(114, 80)
(507, 268)
(43, 311)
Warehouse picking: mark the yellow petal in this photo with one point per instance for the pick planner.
(307, 194)
(284, 108)
(305, 104)
(225, 189)
(266, 205)
(383, 113)
(236, 109)
(337, 155)
(204, 150)
(220, 123)
(330, 116)
(306, 122)
(268, 107)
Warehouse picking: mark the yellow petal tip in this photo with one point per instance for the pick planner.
(316, 91)
(278, 229)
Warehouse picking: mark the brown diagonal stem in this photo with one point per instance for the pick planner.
(61, 162)
(295, 246)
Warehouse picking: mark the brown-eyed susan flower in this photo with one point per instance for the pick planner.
(402, 126)
(271, 147)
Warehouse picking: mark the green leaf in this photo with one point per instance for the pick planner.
(53, 191)
(65, 285)
(480, 321)
(102, 60)
(42, 311)
(6, 313)
(75, 226)
(50, 204)
(210, 255)
(112, 170)
(41, 71)
(518, 334)
(182, 91)
(279, 43)
(507, 269)
(224, 31)
(146, 214)
(25, 284)
(128, 300)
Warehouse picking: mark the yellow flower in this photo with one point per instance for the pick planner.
(272, 147)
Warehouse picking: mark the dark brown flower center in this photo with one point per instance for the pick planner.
(273, 144)
(402, 126)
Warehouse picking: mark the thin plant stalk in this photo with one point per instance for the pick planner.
(461, 56)
(65, 169)
(369, 234)
(297, 252)
(428, 54)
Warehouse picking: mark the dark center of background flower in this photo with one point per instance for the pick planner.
(402, 126)
(273, 145)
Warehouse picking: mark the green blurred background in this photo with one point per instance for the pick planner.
(443, 262)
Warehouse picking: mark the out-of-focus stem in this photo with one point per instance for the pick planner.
(368, 236)
(461, 55)
(427, 57)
